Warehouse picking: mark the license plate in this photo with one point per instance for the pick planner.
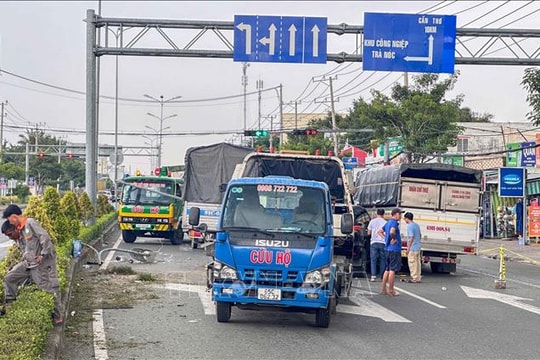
(143, 226)
(403, 253)
(269, 294)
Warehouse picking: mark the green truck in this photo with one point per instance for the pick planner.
(151, 206)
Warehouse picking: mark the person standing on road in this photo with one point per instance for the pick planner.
(413, 247)
(376, 249)
(38, 254)
(392, 238)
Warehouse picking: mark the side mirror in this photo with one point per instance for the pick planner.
(346, 223)
(222, 188)
(194, 216)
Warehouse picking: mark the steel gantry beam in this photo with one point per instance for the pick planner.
(473, 46)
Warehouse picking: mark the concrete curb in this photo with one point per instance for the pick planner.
(55, 341)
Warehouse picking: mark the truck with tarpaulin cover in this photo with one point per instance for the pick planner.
(206, 169)
(445, 202)
(151, 206)
(275, 247)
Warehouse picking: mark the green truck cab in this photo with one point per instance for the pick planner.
(151, 206)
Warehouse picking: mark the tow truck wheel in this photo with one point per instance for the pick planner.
(129, 236)
(223, 310)
(176, 236)
(322, 317)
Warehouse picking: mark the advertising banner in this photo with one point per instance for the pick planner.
(534, 220)
(511, 182)
(528, 154)
(512, 157)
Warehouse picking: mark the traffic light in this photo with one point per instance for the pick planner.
(41, 155)
(69, 156)
(256, 133)
(157, 171)
(308, 132)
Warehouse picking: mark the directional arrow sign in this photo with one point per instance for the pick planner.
(511, 300)
(409, 42)
(286, 39)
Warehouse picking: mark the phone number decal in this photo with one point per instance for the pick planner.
(277, 188)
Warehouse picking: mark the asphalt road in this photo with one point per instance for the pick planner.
(445, 317)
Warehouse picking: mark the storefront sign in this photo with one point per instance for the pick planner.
(511, 182)
(534, 220)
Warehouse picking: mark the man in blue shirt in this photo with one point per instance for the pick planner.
(392, 238)
(413, 247)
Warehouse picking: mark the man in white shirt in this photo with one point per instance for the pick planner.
(376, 252)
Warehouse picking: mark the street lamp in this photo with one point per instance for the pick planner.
(161, 119)
(159, 134)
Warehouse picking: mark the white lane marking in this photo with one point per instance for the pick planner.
(100, 342)
(420, 298)
(367, 307)
(497, 276)
(204, 295)
(511, 300)
(110, 255)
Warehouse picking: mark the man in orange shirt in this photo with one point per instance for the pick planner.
(38, 254)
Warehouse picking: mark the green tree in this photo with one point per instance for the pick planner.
(531, 83)
(36, 209)
(103, 206)
(69, 207)
(22, 192)
(420, 114)
(51, 203)
(12, 171)
(86, 209)
(467, 115)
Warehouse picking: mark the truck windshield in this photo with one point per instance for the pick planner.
(147, 192)
(279, 208)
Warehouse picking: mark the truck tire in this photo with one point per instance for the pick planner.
(322, 317)
(176, 236)
(129, 236)
(223, 311)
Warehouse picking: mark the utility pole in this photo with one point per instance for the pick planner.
(334, 134)
(333, 111)
(280, 115)
(2, 130)
(259, 87)
(244, 84)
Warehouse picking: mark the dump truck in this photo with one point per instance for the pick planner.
(151, 206)
(445, 202)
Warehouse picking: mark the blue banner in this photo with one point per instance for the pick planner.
(528, 154)
(511, 182)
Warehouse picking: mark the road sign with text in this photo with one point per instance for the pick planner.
(409, 42)
(285, 39)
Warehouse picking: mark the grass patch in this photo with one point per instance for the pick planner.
(146, 277)
(122, 270)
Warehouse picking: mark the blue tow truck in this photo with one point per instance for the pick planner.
(275, 247)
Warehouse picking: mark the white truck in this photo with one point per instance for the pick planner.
(206, 169)
(445, 202)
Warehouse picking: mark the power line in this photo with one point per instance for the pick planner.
(489, 12)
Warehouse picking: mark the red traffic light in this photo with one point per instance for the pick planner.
(69, 155)
(312, 132)
(41, 154)
(157, 171)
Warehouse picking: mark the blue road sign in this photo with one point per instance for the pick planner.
(409, 42)
(285, 39)
(512, 182)
(528, 154)
(350, 162)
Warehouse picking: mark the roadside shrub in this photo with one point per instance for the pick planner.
(103, 206)
(86, 209)
(68, 203)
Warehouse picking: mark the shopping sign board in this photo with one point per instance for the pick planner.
(512, 182)
(528, 154)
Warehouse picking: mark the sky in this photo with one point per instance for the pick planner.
(46, 42)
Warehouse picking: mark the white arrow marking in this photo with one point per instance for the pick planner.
(247, 29)
(270, 40)
(315, 30)
(367, 307)
(428, 59)
(292, 39)
(421, 298)
(511, 300)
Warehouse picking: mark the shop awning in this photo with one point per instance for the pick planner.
(533, 187)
